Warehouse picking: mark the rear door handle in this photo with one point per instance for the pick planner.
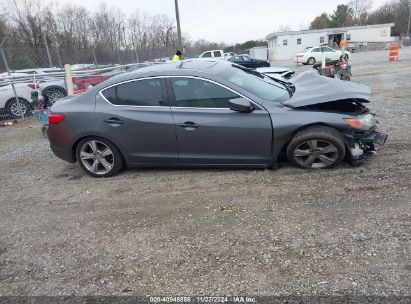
(188, 125)
(114, 121)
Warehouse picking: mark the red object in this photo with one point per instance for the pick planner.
(90, 80)
(33, 85)
(76, 92)
(55, 119)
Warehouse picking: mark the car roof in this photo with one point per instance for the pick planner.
(211, 66)
(191, 67)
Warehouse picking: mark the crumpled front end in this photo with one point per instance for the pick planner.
(362, 144)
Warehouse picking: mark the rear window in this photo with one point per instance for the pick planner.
(145, 92)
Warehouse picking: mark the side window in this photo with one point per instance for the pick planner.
(136, 93)
(217, 54)
(198, 93)
(236, 58)
(208, 54)
(247, 58)
(316, 50)
(327, 49)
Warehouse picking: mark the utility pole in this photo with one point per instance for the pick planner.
(47, 50)
(180, 43)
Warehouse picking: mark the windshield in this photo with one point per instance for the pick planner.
(256, 83)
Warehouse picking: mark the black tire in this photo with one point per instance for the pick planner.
(302, 152)
(44, 129)
(311, 61)
(12, 108)
(54, 93)
(115, 158)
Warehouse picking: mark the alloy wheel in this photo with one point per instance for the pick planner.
(54, 96)
(97, 157)
(18, 111)
(316, 154)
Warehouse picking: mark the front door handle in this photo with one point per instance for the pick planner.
(189, 125)
(114, 121)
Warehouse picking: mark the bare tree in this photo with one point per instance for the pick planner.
(283, 28)
(360, 9)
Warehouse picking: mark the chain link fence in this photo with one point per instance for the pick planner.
(25, 70)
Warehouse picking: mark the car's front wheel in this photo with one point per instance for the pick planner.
(317, 147)
(98, 157)
(311, 61)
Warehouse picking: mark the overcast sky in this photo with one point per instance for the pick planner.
(229, 20)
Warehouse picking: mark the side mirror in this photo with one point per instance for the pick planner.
(240, 105)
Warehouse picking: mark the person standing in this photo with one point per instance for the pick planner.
(176, 57)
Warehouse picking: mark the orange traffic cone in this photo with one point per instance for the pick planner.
(393, 52)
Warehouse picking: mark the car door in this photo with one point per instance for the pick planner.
(248, 62)
(136, 116)
(207, 55)
(329, 53)
(236, 59)
(317, 54)
(209, 132)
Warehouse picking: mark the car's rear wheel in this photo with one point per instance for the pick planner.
(311, 61)
(317, 147)
(98, 157)
(20, 109)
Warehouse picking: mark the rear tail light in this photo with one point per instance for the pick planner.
(33, 85)
(55, 119)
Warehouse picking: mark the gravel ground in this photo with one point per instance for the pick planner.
(218, 232)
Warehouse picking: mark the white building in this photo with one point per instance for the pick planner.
(285, 45)
(258, 52)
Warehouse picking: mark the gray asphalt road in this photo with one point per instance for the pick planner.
(189, 232)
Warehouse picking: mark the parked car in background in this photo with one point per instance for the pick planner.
(314, 54)
(249, 62)
(43, 80)
(216, 54)
(8, 102)
(212, 113)
(229, 55)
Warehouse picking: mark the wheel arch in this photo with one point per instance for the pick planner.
(73, 155)
(281, 151)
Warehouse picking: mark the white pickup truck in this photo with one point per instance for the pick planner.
(216, 54)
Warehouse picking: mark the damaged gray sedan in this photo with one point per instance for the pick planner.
(213, 114)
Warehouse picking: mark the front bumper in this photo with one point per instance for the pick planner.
(363, 144)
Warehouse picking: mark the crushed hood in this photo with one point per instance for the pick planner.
(312, 88)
